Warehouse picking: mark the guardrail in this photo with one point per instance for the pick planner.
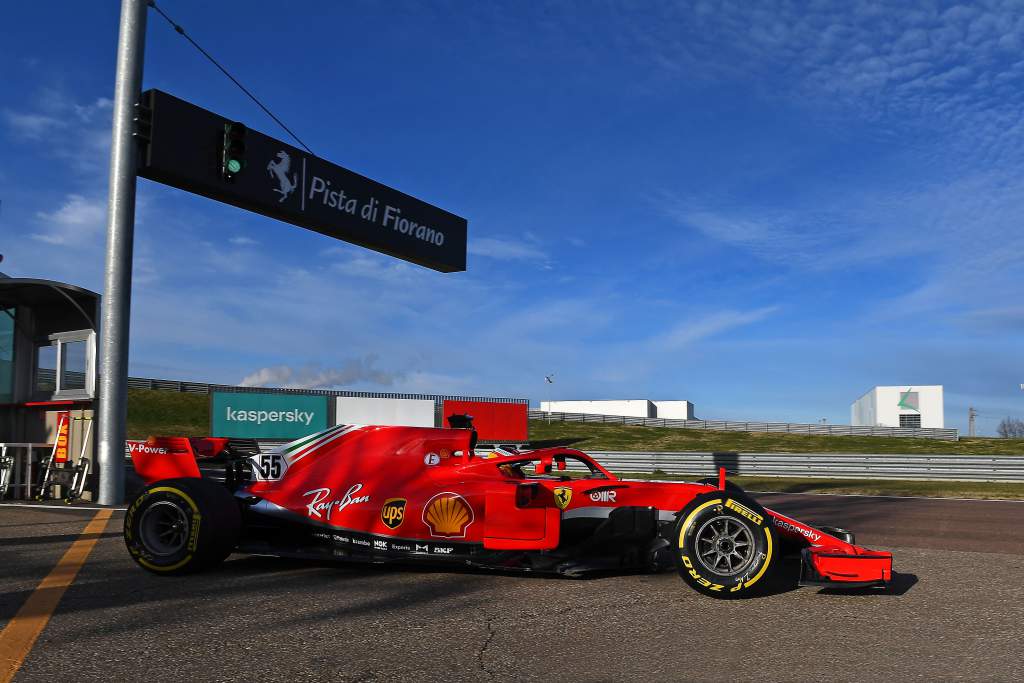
(1007, 468)
(737, 426)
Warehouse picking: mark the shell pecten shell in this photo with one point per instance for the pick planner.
(448, 515)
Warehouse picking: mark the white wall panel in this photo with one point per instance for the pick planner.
(407, 412)
(674, 410)
(629, 408)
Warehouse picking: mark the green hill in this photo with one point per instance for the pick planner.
(167, 413)
(182, 414)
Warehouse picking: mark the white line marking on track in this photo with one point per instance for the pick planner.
(57, 507)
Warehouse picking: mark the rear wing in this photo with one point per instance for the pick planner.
(169, 457)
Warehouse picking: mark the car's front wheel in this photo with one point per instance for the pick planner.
(724, 545)
(181, 525)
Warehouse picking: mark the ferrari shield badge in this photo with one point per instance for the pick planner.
(563, 494)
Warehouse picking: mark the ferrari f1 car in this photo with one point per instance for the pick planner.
(420, 495)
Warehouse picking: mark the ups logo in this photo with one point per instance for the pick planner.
(393, 512)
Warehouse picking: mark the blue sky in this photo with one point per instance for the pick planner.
(764, 210)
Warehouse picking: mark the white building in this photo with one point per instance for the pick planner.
(673, 410)
(900, 406)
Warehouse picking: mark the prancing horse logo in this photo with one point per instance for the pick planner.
(279, 171)
(563, 494)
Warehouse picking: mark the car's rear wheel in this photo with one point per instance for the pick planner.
(724, 545)
(181, 525)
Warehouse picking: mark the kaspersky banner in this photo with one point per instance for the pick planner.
(266, 416)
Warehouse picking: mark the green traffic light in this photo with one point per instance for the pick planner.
(234, 165)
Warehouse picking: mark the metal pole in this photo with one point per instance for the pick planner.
(117, 290)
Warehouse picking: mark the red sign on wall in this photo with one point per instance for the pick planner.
(60, 446)
(493, 421)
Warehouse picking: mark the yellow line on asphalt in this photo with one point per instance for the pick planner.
(18, 637)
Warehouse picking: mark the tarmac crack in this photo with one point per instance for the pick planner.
(489, 622)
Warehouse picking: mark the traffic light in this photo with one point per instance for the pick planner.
(233, 150)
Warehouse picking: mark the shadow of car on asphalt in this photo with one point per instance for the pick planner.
(899, 585)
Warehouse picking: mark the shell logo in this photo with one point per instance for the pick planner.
(447, 515)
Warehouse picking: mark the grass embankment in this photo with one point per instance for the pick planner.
(610, 437)
(167, 413)
(863, 487)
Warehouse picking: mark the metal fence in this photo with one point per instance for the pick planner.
(737, 426)
(1007, 468)
(204, 388)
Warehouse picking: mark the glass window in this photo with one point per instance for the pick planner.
(6, 355)
(910, 421)
(72, 365)
(46, 369)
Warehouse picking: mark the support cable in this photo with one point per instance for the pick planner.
(180, 30)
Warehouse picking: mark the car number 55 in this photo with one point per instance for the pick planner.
(268, 466)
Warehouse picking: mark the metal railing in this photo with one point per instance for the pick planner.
(739, 426)
(1006, 468)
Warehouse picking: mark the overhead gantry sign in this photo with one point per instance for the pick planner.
(193, 149)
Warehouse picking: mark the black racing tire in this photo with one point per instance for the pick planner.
(177, 526)
(725, 546)
(713, 481)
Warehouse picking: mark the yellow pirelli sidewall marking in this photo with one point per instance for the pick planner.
(767, 560)
(689, 518)
(686, 559)
(745, 511)
(171, 489)
(193, 532)
(21, 632)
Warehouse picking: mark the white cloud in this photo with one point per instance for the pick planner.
(78, 221)
(688, 332)
(356, 370)
(242, 241)
(505, 250)
(75, 133)
(31, 126)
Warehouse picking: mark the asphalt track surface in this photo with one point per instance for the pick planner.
(956, 612)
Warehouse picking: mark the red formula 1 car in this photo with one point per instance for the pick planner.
(420, 495)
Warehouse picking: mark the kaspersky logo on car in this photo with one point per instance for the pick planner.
(447, 515)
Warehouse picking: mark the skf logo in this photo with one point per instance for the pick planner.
(563, 494)
(447, 515)
(393, 512)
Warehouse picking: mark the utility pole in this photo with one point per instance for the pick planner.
(971, 414)
(549, 380)
(117, 283)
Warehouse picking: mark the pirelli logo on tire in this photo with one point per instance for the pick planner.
(745, 511)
